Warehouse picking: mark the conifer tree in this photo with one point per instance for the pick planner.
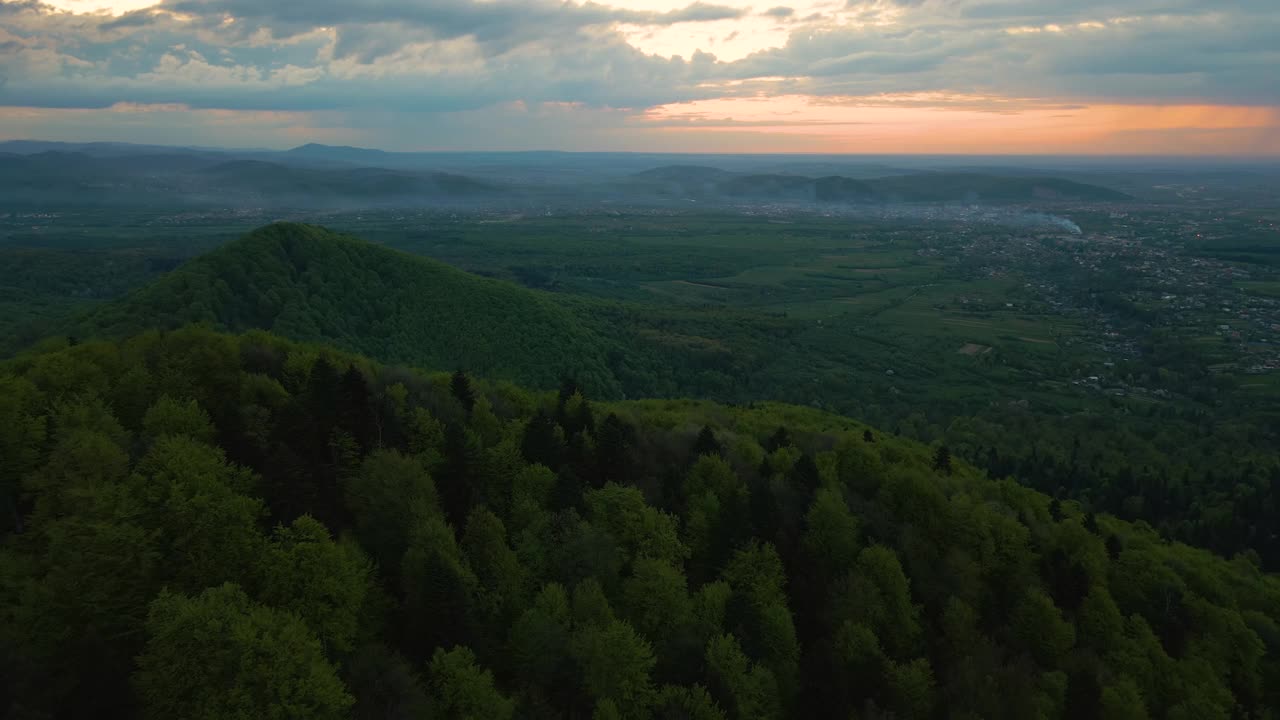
(354, 409)
(706, 444)
(460, 386)
(942, 460)
(781, 438)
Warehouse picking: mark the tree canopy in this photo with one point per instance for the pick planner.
(208, 526)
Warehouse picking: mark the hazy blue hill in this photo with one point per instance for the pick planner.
(339, 154)
(675, 181)
(56, 174)
(259, 176)
(49, 163)
(682, 173)
(74, 166)
(311, 284)
(321, 176)
(305, 184)
(163, 163)
(61, 178)
(851, 167)
(703, 182)
(795, 187)
(179, 178)
(974, 187)
(838, 188)
(98, 149)
(766, 187)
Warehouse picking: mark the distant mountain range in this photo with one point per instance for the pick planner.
(81, 179)
(325, 177)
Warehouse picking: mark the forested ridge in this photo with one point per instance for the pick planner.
(1205, 473)
(203, 525)
(312, 284)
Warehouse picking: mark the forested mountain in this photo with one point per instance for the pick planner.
(1215, 484)
(308, 283)
(190, 512)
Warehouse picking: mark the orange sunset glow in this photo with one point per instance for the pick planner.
(862, 76)
(862, 126)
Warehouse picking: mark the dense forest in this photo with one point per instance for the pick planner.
(308, 283)
(203, 525)
(1203, 472)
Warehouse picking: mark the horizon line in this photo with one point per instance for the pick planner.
(1262, 159)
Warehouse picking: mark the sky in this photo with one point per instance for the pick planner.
(1127, 77)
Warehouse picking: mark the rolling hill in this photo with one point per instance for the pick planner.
(314, 285)
(975, 187)
(302, 185)
(320, 177)
(711, 184)
(78, 179)
(310, 284)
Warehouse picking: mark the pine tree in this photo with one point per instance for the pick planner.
(454, 484)
(614, 440)
(568, 388)
(805, 473)
(942, 460)
(461, 388)
(354, 408)
(543, 441)
(781, 438)
(1091, 523)
(438, 590)
(706, 444)
(1114, 546)
(322, 385)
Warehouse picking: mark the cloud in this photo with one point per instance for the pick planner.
(1054, 11)
(697, 12)
(134, 19)
(486, 20)
(1212, 56)
(462, 56)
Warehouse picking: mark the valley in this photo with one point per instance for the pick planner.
(1117, 342)
(678, 380)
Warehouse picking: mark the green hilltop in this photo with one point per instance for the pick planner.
(311, 284)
